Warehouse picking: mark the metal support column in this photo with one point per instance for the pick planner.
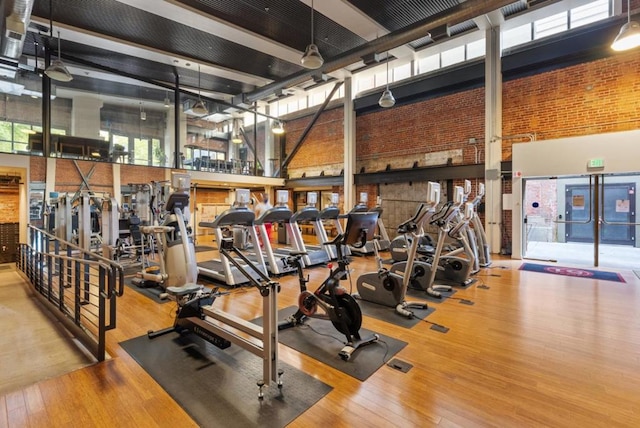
(349, 145)
(493, 139)
(177, 161)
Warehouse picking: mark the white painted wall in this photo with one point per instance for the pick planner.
(569, 157)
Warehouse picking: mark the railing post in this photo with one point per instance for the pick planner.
(42, 263)
(50, 268)
(102, 297)
(76, 292)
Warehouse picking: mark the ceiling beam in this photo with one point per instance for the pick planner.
(459, 13)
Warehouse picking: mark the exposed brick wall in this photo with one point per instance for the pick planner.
(69, 180)
(585, 99)
(323, 149)
(139, 174)
(9, 206)
(38, 169)
(406, 134)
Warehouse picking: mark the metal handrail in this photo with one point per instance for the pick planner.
(82, 286)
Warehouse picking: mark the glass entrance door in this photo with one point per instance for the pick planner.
(583, 220)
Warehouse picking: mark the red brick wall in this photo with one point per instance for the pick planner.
(37, 168)
(411, 131)
(585, 99)
(323, 149)
(139, 174)
(68, 177)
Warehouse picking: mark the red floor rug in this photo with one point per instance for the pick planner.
(573, 271)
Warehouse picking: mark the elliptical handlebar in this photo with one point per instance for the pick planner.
(411, 224)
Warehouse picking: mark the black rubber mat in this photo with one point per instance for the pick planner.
(388, 314)
(321, 341)
(200, 248)
(217, 388)
(152, 293)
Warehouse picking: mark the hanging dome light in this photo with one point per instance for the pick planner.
(57, 70)
(387, 100)
(312, 58)
(278, 128)
(199, 108)
(236, 138)
(629, 35)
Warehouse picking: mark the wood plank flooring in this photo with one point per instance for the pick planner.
(534, 350)
(45, 348)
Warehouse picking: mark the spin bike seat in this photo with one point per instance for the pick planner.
(183, 290)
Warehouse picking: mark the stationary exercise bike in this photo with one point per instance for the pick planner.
(385, 287)
(334, 302)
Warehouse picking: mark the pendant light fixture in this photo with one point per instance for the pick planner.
(199, 108)
(236, 138)
(629, 35)
(387, 100)
(57, 70)
(167, 101)
(278, 126)
(312, 58)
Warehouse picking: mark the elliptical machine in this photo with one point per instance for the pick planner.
(389, 287)
(335, 302)
(175, 246)
(484, 253)
(417, 270)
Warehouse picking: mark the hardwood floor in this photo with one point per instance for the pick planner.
(46, 349)
(534, 350)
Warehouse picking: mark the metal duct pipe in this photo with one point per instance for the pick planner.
(14, 27)
(462, 12)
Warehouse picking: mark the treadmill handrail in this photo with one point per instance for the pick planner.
(305, 214)
(239, 216)
(274, 215)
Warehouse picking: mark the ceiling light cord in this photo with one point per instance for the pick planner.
(386, 99)
(312, 59)
(312, 26)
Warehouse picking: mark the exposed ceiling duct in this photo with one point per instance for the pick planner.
(13, 26)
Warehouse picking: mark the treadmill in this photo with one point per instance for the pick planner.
(238, 216)
(331, 215)
(316, 254)
(275, 260)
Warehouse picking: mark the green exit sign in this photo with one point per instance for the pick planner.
(596, 163)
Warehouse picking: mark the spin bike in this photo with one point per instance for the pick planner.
(335, 302)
